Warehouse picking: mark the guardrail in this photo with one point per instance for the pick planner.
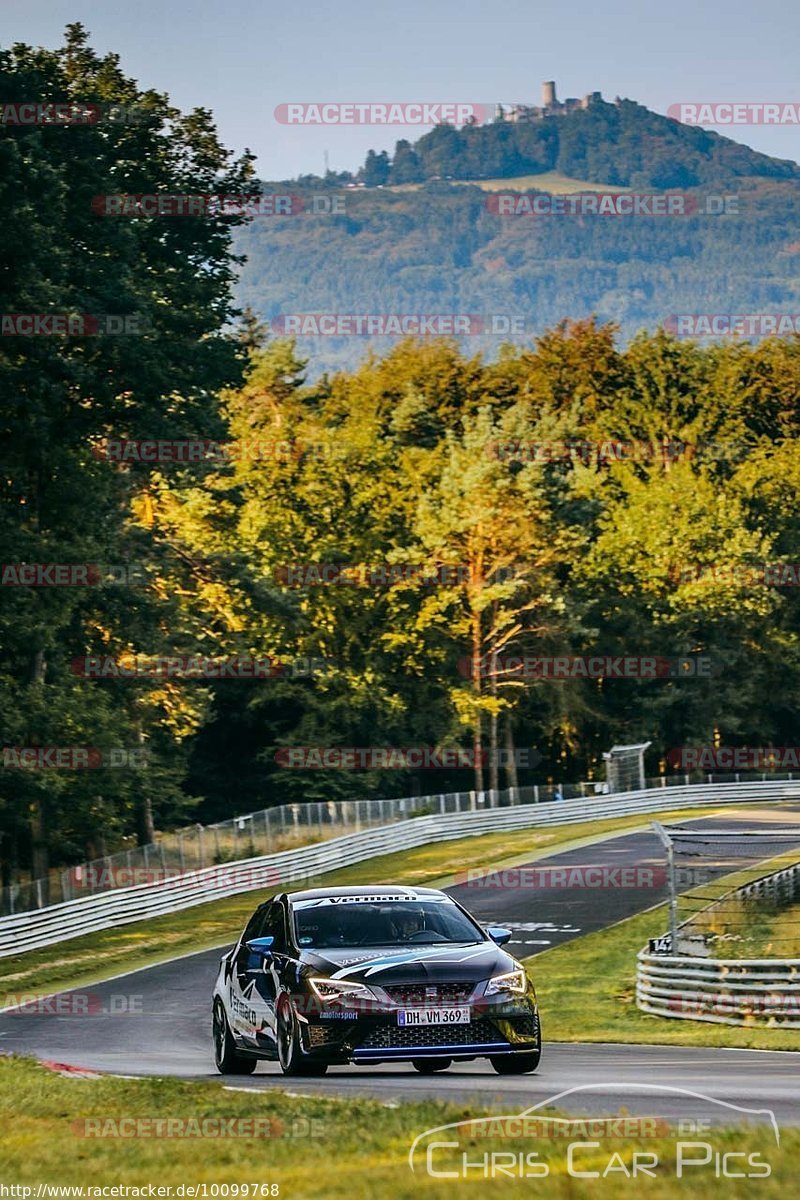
(754, 991)
(286, 826)
(266, 831)
(62, 922)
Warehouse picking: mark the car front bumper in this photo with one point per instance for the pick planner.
(497, 1027)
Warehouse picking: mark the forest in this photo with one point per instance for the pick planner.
(358, 554)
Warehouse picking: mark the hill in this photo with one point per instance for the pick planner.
(439, 246)
(620, 143)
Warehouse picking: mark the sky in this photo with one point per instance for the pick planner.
(243, 60)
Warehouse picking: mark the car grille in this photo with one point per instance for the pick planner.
(323, 1035)
(524, 1026)
(413, 995)
(398, 1037)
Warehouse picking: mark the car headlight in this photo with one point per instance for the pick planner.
(331, 990)
(515, 982)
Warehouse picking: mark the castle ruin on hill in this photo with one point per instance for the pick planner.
(551, 106)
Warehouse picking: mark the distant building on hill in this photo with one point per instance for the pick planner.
(551, 106)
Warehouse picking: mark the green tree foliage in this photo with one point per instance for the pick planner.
(61, 395)
(416, 470)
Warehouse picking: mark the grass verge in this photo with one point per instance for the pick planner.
(358, 1148)
(90, 959)
(587, 993)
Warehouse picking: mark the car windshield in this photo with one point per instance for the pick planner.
(345, 921)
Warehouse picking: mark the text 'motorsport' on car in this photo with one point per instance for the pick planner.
(372, 975)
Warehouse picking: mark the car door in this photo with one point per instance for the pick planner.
(242, 1015)
(259, 980)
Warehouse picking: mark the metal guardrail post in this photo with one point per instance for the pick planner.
(666, 842)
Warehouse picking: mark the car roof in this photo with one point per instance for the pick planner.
(379, 891)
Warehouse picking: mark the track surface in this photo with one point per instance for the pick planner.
(157, 1021)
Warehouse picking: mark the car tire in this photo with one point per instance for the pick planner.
(516, 1064)
(429, 1066)
(227, 1058)
(291, 1058)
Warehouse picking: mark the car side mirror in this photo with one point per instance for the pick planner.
(499, 935)
(261, 950)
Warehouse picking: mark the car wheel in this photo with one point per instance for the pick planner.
(291, 1059)
(429, 1066)
(226, 1057)
(516, 1064)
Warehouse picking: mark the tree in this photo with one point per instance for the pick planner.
(375, 171)
(60, 502)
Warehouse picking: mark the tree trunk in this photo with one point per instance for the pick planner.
(511, 761)
(494, 765)
(40, 859)
(145, 829)
(476, 684)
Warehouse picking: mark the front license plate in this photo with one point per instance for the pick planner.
(433, 1016)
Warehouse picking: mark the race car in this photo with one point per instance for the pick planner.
(372, 975)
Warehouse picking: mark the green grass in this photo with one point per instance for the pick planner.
(547, 181)
(90, 959)
(359, 1148)
(741, 927)
(358, 1151)
(587, 992)
(758, 930)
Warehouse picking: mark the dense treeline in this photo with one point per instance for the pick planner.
(420, 457)
(60, 503)
(622, 143)
(441, 246)
(398, 463)
(424, 457)
(443, 250)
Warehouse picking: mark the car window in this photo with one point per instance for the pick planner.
(274, 925)
(254, 924)
(357, 923)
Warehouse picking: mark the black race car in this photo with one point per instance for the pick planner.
(371, 975)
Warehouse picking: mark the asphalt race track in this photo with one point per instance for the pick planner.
(157, 1021)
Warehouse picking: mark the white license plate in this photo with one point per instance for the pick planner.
(434, 1016)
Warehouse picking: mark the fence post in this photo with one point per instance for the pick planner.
(666, 842)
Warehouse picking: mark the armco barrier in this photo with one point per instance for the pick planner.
(61, 922)
(740, 991)
(727, 992)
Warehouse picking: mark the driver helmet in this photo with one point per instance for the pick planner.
(407, 921)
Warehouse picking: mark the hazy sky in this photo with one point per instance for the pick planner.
(241, 60)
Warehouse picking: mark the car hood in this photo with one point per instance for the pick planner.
(452, 963)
